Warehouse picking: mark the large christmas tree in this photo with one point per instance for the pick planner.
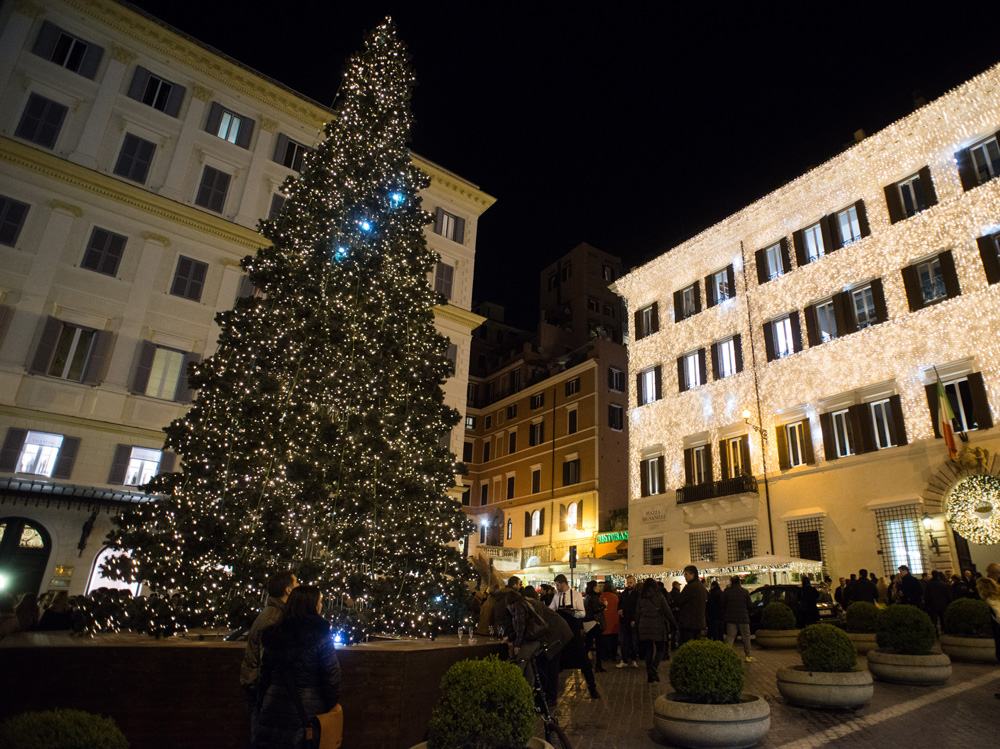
(314, 442)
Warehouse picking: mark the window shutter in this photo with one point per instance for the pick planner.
(527, 524)
(246, 288)
(638, 390)
(927, 187)
(710, 300)
(661, 474)
(786, 258)
(643, 479)
(245, 133)
(143, 366)
(878, 297)
(738, 351)
(839, 314)
(709, 466)
(990, 257)
(932, 406)
(541, 521)
(168, 459)
(6, 313)
(658, 381)
(807, 442)
(825, 230)
(769, 340)
(724, 459)
(184, 394)
(639, 332)
(45, 42)
(716, 374)
(897, 425)
(829, 438)
(67, 456)
(459, 230)
(565, 473)
(579, 514)
(799, 243)
(697, 296)
(280, 146)
(214, 118)
(911, 282)
(681, 384)
(119, 464)
(689, 467)
(731, 280)
(812, 328)
(950, 276)
(863, 428)
(894, 203)
(655, 318)
(702, 370)
(846, 302)
(760, 259)
(980, 402)
(781, 441)
(438, 220)
(745, 452)
(46, 346)
(678, 307)
(836, 241)
(11, 450)
(91, 60)
(966, 170)
(138, 86)
(97, 363)
(796, 331)
(862, 218)
(562, 518)
(174, 100)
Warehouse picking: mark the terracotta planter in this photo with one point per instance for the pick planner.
(770, 639)
(837, 690)
(925, 670)
(969, 649)
(687, 724)
(863, 641)
(533, 743)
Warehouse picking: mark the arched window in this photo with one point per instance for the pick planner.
(571, 515)
(536, 523)
(24, 554)
(482, 533)
(510, 529)
(98, 580)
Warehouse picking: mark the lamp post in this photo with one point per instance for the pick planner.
(763, 456)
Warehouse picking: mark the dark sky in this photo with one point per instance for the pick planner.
(628, 125)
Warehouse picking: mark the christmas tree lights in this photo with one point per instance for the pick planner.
(315, 440)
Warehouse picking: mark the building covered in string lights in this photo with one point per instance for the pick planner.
(136, 165)
(784, 362)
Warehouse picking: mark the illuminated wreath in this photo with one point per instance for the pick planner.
(974, 509)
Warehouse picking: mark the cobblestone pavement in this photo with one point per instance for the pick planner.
(961, 713)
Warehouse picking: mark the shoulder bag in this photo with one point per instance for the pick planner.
(324, 731)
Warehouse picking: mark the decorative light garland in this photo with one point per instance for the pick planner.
(973, 509)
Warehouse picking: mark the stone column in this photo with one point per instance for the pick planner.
(173, 187)
(100, 111)
(250, 208)
(15, 36)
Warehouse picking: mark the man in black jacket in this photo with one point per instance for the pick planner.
(864, 589)
(629, 636)
(692, 600)
(736, 608)
(911, 592)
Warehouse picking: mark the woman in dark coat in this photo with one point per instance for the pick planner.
(652, 613)
(595, 613)
(299, 656)
(808, 598)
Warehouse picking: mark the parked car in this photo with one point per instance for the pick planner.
(829, 613)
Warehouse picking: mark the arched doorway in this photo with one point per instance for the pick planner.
(24, 554)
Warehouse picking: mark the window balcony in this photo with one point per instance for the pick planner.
(502, 553)
(715, 489)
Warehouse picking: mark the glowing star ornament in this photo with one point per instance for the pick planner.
(972, 509)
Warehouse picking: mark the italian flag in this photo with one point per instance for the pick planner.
(945, 417)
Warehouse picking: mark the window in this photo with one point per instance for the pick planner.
(71, 352)
(470, 422)
(607, 273)
(735, 453)
(466, 499)
(467, 452)
(863, 306)
(651, 476)
(609, 311)
(536, 435)
(156, 92)
(813, 239)
(701, 470)
(489, 421)
(571, 472)
(511, 443)
(984, 159)
(514, 380)
(741, 542)
(536, 480)
(842, 432)
(571, 421)
(647, 321)
(484, 493)
(212, 190)
(12, 216)
(795, 435)
(931, 281)
(142, 466)
(189, 278)
(691, 370)
(482, 533)
(652, 550)
(39, 453)
(134, 158)
(649, 387)
(899, 536)
(849, 225)
(67, 51)
(553, 281)
(882, 421)
(486, 450)
(449, 226)
(512, 411)
(573, 387)
(536, 523)
(41, 122)
(444, 276)
(537, 401)
(687, 302)
(571, 516)
(277, 203)
(452, 355)
(773, 261)
(566, 272)
(104, 252)
(911, 195)
(727, 358)
(616, 380)
(805, 539)
(593, 305)
(290, 153)
(989, 253)
(720, 286)
(968, 400)
(702, 546)
(229, 126)
(616, 417)
(826, 321)
(165, 374)
(510, 529)
(782, 336)
(510, 487)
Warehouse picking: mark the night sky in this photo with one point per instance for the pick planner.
(628, 125)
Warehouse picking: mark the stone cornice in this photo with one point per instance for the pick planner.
(456, 314)
(445, 180)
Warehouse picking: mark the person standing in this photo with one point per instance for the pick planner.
(714, 613)
(279, 586)
(555, 639)
(593, 623)
(937, 596)
(652, 616)
(736, 608)
(59, 614)
(568, 603)
(609, 638)
(864, 589)
(808, 598)
(883, 591)
(910, 591)
(626, 610)
(691, 602)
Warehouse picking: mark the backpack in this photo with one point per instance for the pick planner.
(535, 627)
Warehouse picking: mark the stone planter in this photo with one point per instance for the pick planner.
(836, 690)
(863, 641)
(533, 743)
(969, 649)
(770, 639)
(687, 724)
(926, 670)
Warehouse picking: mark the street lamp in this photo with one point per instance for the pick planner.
(763, 456)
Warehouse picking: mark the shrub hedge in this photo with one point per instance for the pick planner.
(905, 629)
(862, 617)
(826, 648)
(61, 729)
(707, 671)
(777, 615)
(968, 617)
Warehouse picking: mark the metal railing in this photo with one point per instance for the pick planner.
(713, 489)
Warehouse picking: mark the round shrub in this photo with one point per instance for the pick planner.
(707, 671)
(905, 629)
(862, 617)
(485, 704)
(967, 617)
(777, 616)
(826, 648)
(61, 729)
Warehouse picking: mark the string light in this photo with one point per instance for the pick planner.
(973, 509)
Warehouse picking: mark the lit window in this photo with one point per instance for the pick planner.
(651, 473)
(692, 371)
(165, 374)
(986, 160)
(72, 352)
(864, 307)
(688, 301)
(881, 419)
(931, 278)
(783, 342)
(39, 453)
(647, 391)
(444, 276)
(772, 255)
(700, 469)
(470, 422)
(911, 195)
(142, 466)
(959, 394)
(720, 285)
(826, 321)
(796, 443)
(734, 451)
(616, 416)
(813, 237)
(510, 529)
(904, 544)
(229, 126)
(616, 380)
(727, 358)
(850, 228)
(843, 432)
(571, 515)
(536, 523)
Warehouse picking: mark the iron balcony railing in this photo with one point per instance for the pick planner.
(714, 489)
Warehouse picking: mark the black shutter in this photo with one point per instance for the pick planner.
(862, 218)
(807, 443)
(168, 459)
(174, 100)
(119, 464)
(143, 366)
(678, 307)
(459, 230)
(990, 257)
(439, 223)
(566, 473)
(638, 390)
(760, 258)
(894, 203)
(697, 296)
(45, 42)
(738, 350)
(97, 363)
(951, 285)
(709, 467)
(214, 118)
(781, 441)
(11, 450)
(527, 523)
(541, 520)
(689, 467)
(840, 308)
(863, 428)
(655, 318)
(786, 258)
(658, 379)
(643, 479)
(914, 295)
(183, 388)
(932, 406)
(829, 438)
(681, 384)
(579, 514)
(639, 332)
(67, 456)
(246, 288)
(927, 187)
(731, 280)
(833, 224)
(799, 243)
(91, 60)
(769, 340)
(812, 327)
(710, 300)
(825, 230)
(724, 460)
(245, 133)
(280, 147)
(966, 169)
(878, 297)
(980, 402)
(661, 476)
(897, 425)
(745, 453)
(702, 369)
(715, 362)
(46, 346)
(138, 86)
(793, 318)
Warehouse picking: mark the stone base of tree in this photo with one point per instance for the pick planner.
(771, 639)
(837, 690)
(927, 670)
(969, 649)
(687, 724)
(863, 641)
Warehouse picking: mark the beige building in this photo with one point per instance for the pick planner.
(136, 163)
(827, 310)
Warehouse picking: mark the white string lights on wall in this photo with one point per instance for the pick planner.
(898, 351)
(973, 509)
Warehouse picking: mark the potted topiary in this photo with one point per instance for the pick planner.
(862, 618)
(905, 636)
(485, 704)
(709, 707)
(967, 633)
(777, 627)
(829, 676)
(61, 729)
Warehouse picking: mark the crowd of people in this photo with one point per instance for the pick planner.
(52, 612)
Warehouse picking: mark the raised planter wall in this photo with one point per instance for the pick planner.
(862, 641)
(686, 724)
(180, 694)
(969, 649)
(771, 639)
(919, 670)
(833, 690)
